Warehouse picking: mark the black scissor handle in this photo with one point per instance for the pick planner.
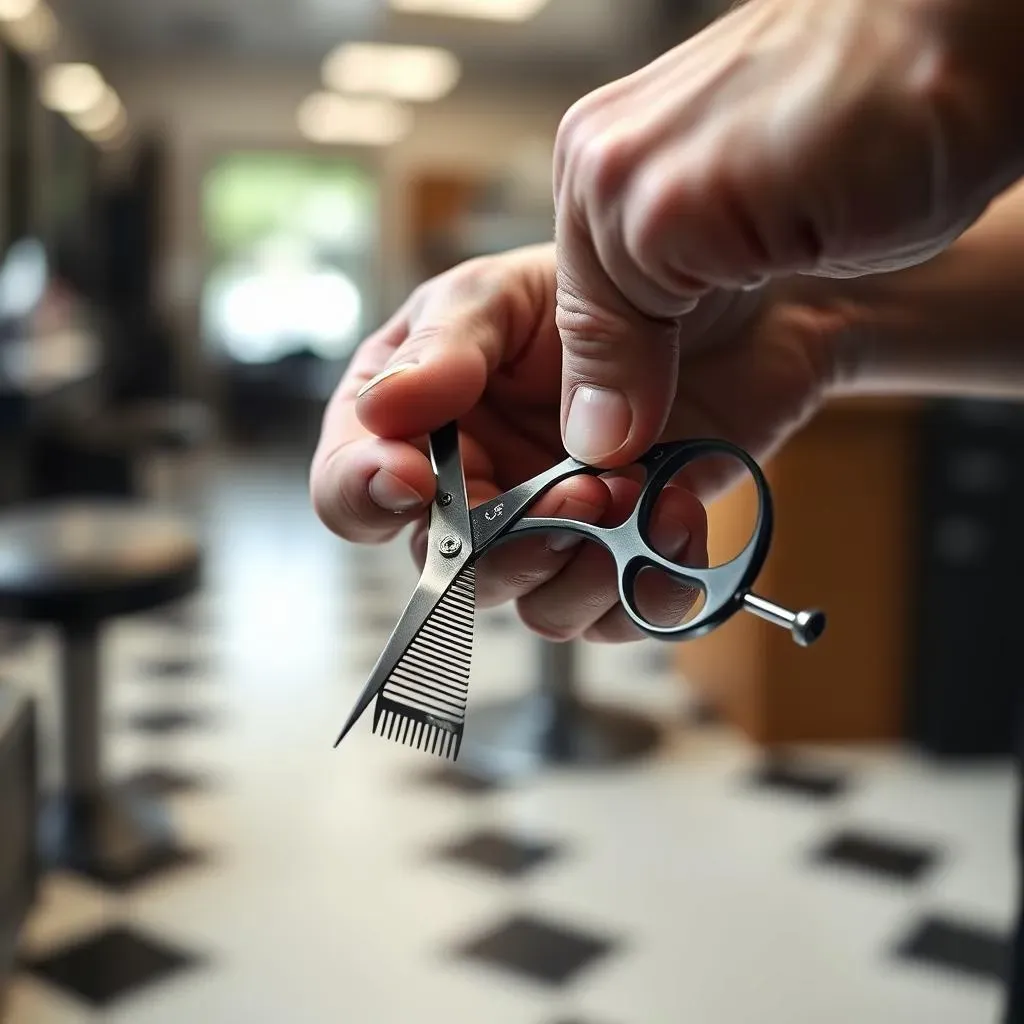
(724, 586)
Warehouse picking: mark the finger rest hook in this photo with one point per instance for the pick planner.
(805, 626)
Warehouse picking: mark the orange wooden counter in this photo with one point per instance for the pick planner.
(844, 514)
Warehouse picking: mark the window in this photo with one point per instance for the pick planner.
(291, 244)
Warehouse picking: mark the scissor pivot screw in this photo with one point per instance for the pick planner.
(444, 498)
(450, 546)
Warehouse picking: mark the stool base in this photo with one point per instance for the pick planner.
(114, 837)
(521, 737)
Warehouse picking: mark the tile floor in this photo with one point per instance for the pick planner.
(371, 884)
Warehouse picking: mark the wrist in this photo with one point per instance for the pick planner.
(976, 84)
(951, 327)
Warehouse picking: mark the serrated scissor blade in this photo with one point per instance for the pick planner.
(423, 702)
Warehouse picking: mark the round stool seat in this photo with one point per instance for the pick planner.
(178, 426)
(168, 426)
(93, 560)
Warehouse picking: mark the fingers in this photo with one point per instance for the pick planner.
(427, 366)
(435, 377)
(563, 592)
(459, 333)
(369, 489)
(618, 328)
(517, 567)
(584, 593)
(661, 599)
(619, 368)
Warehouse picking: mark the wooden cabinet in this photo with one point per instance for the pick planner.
(844, 493)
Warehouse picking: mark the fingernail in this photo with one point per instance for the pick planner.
(569, 509)
(392, 494)
(598, 423)
(383, 375)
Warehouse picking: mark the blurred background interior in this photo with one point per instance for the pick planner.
(204, 206)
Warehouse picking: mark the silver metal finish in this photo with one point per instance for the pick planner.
(458, 537)
(806, 626)
(450, 546)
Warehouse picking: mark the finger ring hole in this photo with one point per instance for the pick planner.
(663, 600)
(705, 515)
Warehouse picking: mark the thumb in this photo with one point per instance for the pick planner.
(619, 367)
(436, 375)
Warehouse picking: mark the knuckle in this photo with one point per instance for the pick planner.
(333, 505)
(471, 285)
(660, 210)
(558, 618)
(647, 219)
(525, 579)
(586, 330)
(479, 279)
(420, 296)
(605, 162)
(543, 625)
(326, 500)
(334, 514)
(325, 512)
(421, 337)
(469, 278)
(596, 333)
(614, 628)
(593, 156)
(575, 124)
(694, 227)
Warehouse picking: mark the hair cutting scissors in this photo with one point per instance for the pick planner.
(421, 680)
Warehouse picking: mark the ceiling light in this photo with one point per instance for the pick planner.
(112, 133)
(100, 116)
(34, 31)
(485, 10)
(72, 88)
(422, 73)
(15, 10)
(341, 120)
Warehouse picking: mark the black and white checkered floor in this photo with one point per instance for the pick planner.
(362, 885)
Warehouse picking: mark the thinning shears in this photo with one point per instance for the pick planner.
(421, 679)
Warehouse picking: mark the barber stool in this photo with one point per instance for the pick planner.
(553, 727)
(135, 451)
(158, 436)
(75, 566)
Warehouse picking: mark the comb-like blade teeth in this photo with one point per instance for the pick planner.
(423, 702)
(435, 735)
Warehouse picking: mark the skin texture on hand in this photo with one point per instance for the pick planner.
(827, 137)
(480, 344)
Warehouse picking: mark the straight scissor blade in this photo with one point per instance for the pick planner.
(421, 605)
(441, 608)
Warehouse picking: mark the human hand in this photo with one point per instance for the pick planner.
(480, 344)
(825, 137)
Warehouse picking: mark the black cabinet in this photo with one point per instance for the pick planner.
(967, 670)
(19, 873)
(17, 109)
